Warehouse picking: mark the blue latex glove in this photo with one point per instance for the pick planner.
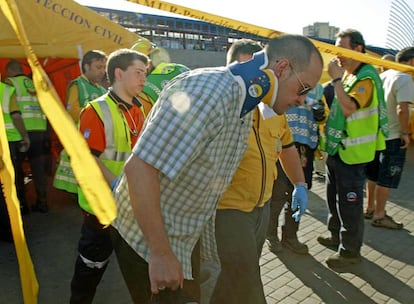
(299, 201)
(114, 183)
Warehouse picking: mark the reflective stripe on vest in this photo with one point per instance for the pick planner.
(12, 133)
(33, 117)
(362, 127)
(64, 178)
(117, 140)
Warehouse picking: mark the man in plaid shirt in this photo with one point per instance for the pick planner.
(186, 156)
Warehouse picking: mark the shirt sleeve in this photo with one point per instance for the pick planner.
(92, 129)
(72, 102)
(362, 92)
(405, 89)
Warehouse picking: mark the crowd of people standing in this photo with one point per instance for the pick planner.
(201, 162)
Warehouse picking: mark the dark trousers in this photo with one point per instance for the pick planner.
(38, 158)
(281, 199)
(344, 193)
(95, 245)
(134, 269)
(5, 228)
(17, 158)
(240, 237)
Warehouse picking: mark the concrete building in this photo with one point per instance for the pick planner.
(321, 30)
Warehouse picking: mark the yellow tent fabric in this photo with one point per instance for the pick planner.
(62, 28)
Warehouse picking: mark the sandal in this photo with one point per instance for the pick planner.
(368, 214)
(387, 222)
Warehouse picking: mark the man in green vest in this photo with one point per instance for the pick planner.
(36, 125)
(17, 137)
(354, 132)
(110, 125)
(80, 91)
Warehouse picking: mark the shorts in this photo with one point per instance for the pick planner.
(386, 169)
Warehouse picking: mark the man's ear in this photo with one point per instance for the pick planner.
(117, 73)
(281, 66)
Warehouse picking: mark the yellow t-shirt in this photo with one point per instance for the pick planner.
(252, 183)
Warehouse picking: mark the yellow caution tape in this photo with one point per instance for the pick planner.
(268, 33)
(30, 287)
(86, 170)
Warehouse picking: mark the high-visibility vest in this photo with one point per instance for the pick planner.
(6, 92)
(357, 137)
(33, 117)
(117, 138)
(87, 91)
(64, 178)
(160, 76)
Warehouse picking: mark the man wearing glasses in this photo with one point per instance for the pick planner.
(354, 131)
(188, 152)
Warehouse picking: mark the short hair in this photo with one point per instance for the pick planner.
(90, 56)
(405, 54)
(296, 48)
(388, 57)
(242, 46)
(14, 66)
(122, 59)
(355, 38)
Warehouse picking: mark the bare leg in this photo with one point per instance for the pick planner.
(381, 194)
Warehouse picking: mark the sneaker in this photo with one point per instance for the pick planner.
(339, 261)
(294, 245)
(386, 222)
(331, 243)
(40, 207)
(274, 244)
(368, 214)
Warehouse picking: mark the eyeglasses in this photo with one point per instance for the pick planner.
(305, 89)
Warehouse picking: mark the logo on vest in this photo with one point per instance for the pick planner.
(28, 84)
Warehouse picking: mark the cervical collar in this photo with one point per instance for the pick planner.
(259, 84)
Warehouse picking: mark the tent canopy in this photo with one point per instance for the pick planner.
(60, 32)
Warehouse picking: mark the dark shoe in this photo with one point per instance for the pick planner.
(387, 222)
(294, 245)
(274, 244)
(368, 214)
(40, 207)
(339, 261)
(329, 242)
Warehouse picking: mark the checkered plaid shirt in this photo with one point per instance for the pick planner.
(195, 137)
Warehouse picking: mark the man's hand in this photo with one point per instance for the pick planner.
(25, 144)
(299, 201)
(165, 271)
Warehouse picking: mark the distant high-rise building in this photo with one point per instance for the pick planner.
(321, 30)
(400, 32)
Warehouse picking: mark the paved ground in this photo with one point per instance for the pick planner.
(386, 274)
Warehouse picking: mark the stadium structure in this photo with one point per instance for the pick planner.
(400, 32)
